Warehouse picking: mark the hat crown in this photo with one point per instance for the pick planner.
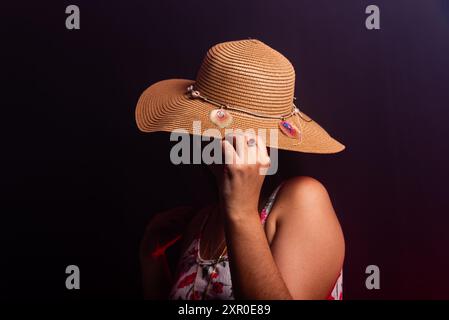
(248, 74)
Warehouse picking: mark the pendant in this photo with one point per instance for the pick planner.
(220, 117)
(290, 130)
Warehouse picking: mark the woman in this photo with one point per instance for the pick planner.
(289, 246)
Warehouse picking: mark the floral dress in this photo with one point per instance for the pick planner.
(193, 269)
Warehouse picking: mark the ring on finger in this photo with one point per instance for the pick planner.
(251, 142)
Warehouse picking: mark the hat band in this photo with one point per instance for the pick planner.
(195, 94)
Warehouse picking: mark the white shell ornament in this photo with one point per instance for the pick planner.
(220, 117)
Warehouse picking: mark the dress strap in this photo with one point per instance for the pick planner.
(269, 204)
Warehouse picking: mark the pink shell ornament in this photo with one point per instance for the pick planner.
(290, 130)
(220, 117)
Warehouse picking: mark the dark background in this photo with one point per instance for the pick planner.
(79, 181)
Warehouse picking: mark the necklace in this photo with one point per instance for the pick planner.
(220, 258)
(213, 272)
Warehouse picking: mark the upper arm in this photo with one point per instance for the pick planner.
(308, 245)
(163, 228)
(162, 231)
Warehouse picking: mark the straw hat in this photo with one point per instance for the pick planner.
(240, 85)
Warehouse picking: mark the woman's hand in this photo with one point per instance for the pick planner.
(246, 162)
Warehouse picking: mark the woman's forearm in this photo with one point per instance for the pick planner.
(253, 270)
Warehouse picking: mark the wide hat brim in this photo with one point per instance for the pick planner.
(165, 106)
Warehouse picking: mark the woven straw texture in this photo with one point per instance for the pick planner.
(246, 74)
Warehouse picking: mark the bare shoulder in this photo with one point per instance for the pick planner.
(302, 195)
(307, 225)
(306, 201)
(167, 224)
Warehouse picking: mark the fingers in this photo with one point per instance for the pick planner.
(237, 151)
(241, 147)
(252, 150)
(262, 155)
(230, 155)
